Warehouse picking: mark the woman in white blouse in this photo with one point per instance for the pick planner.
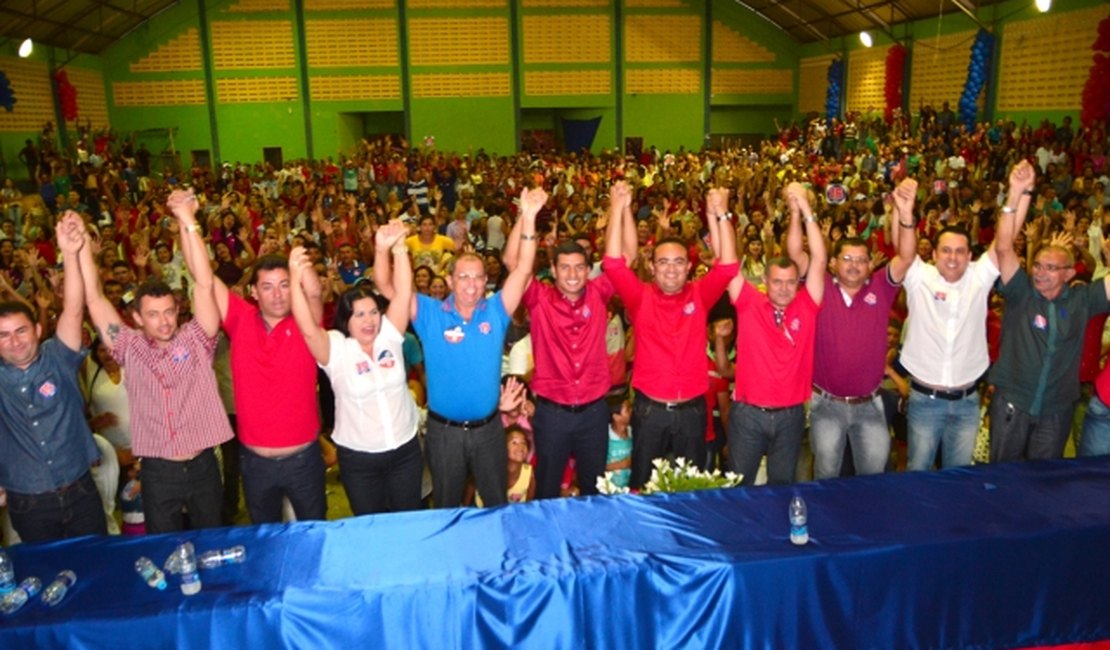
(375, 416)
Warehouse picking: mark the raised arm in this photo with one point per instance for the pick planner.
(818, 254)
(183, 205)
(104, 315)
(721, 234)
(315, 336)
(391, 237)
(531, 202)
(795, 248)
(1022, 177)
(71, 238)
(904, 229)
(614, 230)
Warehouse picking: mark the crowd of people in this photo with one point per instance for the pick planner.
(457, 329)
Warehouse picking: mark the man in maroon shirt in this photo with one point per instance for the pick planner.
(571, 379)
(669, 317)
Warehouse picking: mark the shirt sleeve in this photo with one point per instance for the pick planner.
(624, 281)
(716, 281)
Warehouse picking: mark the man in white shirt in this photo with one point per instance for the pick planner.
(945, 349)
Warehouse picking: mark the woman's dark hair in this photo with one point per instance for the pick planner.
(345, 306)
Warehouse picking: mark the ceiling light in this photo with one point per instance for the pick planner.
(865, 38)
(1043, 5)
(25, 48)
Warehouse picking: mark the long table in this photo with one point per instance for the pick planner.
(990, 557)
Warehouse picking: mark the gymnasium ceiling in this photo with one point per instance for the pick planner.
(90, 26)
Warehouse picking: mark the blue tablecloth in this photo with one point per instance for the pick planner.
(991, 557)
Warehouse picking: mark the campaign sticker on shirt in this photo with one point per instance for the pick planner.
(484, 327)
(870, 299)
(386, 359)
(940, 295)
(362, 367)
(48, 389)
(454, 335)
(1040, 322)
(795, 325)
(689, 308)
(179, 355)
(586, 312)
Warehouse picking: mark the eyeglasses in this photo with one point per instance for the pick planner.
(476, 277)
(676, 262)
(855, 259)
(1051, 268)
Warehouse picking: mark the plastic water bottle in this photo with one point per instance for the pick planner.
(150, 573)
(56, 591)
(213, 559)
(18, 597)
(799, 534)
(7, 574)
(183, 561)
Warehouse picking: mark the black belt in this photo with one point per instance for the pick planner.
(576, 408)
(950, 395)
(863, 399)
(462, 424)
(672, 406)
(770, 409)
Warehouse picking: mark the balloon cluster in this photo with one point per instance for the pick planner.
(1096, 92)
(7, 96)
(977, 71)
(836, 82)
(67, 95)
(895, 71)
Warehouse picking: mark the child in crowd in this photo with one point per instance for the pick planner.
(619, 461)
(522, 482)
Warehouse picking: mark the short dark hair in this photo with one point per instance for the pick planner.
(12, 307)
(120, 263)
(153, 288)
(781, 263)
(953, 230)
(268, 263)
(345, 306)
(844, 242)
(670, 240)
(570, 248)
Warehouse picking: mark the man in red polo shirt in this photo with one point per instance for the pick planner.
(774, 353)
(669, 317)
(571, 379)
(274, 377)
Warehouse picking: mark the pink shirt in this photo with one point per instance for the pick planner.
(172, 397)
(274, 376)
(669, 329)
(850, 354)
(774, 363)
(568, 342)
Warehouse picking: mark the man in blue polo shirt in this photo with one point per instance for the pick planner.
(462, 338)
(46, 447)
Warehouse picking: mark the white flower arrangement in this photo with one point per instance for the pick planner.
(683, 476)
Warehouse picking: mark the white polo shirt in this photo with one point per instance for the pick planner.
(946, 333)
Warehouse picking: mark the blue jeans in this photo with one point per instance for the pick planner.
(1096, 429)
(655, 431)
(70, 511)
(170, 487)
(453, 452)
(298, 477)
(832, 424)
(387, 481)
(560, 433)
(753, 432)
(1017, 435)
(950, 424)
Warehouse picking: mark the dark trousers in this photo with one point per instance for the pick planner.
(298, 477)
(753, 432)
(657, 431)
(170, 487)
(232, 474)
(387, 481)
(560, 433)
(1017, 435)
(455, 451)
(70, 511)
